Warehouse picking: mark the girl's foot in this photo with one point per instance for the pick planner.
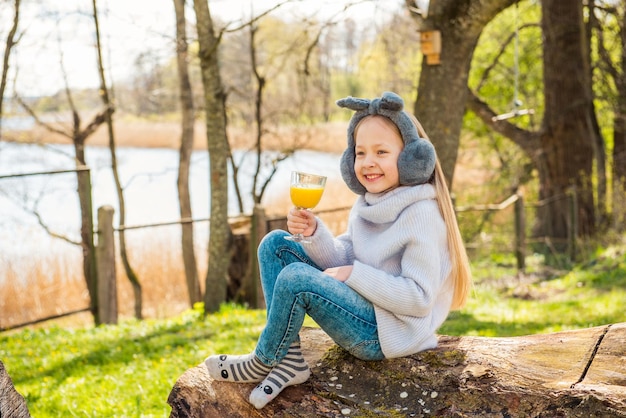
(241, 369)
(292, 370)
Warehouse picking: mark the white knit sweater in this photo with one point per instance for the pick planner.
(396, 242)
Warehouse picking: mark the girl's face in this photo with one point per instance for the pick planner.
(378, 145)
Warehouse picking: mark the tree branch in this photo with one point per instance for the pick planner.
(503, 47)
(52, 233)
(98, 120)
(39, 122)
(523, 138)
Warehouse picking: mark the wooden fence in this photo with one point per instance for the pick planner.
(255, 227)
(519, 222)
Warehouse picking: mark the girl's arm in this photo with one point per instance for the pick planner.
(326, 250)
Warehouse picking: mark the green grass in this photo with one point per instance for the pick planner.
(542, 301)
(128, 370)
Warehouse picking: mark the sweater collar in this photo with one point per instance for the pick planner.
(386, 207)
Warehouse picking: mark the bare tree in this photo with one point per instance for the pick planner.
(79, 135)
(104, 95)
(259, 119)
(276, 68)
(10, 43)
(214, 97)
(186, 147)
(219, 151)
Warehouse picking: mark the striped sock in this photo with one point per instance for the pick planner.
(242, 369)
(292, 370)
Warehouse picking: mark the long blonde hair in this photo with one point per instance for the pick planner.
(461, 272)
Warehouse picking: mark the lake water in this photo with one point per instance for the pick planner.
(147, 175)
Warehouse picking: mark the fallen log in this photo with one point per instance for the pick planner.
(580, 373)
(12, 404)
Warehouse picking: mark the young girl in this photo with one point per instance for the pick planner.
(381, 289)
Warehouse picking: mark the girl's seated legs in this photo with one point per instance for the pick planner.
(294, 286)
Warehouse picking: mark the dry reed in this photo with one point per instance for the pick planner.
(328, 137)
(49, 280)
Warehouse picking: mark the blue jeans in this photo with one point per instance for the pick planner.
(294, 286)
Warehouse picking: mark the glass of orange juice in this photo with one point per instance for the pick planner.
(306, 191)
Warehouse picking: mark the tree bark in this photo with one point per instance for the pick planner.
(442, 89)
(568, 133)
(12, 404)
(186, 147)
(214, 97)
(578, 373)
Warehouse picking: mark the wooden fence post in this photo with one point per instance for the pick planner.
(520, 233)
(258, 229)
(572, 231)
(105, 260)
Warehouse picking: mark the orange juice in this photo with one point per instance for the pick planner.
(306, 195)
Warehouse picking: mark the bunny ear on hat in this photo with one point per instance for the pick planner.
(416, 162)
(353, 103)
(391, 101)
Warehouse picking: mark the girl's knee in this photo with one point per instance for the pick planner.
(291, 272)
(272, 240)
(295, 278)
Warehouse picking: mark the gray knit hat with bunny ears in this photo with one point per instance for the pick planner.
(416, 162)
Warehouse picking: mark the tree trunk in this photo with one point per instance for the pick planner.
(442, 90)
(563, 150)
(186, 147)
(83, 179)
(578, 373)
(214, 97)
(104, 95)
(598, 141)
(258, 114)
(10, 43)
(619, 134)
(568, 131)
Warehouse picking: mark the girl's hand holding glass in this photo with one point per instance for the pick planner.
(301, 222)
(305, 191)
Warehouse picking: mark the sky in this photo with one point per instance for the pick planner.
(56, 32)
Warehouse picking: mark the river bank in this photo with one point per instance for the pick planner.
(162, 133)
